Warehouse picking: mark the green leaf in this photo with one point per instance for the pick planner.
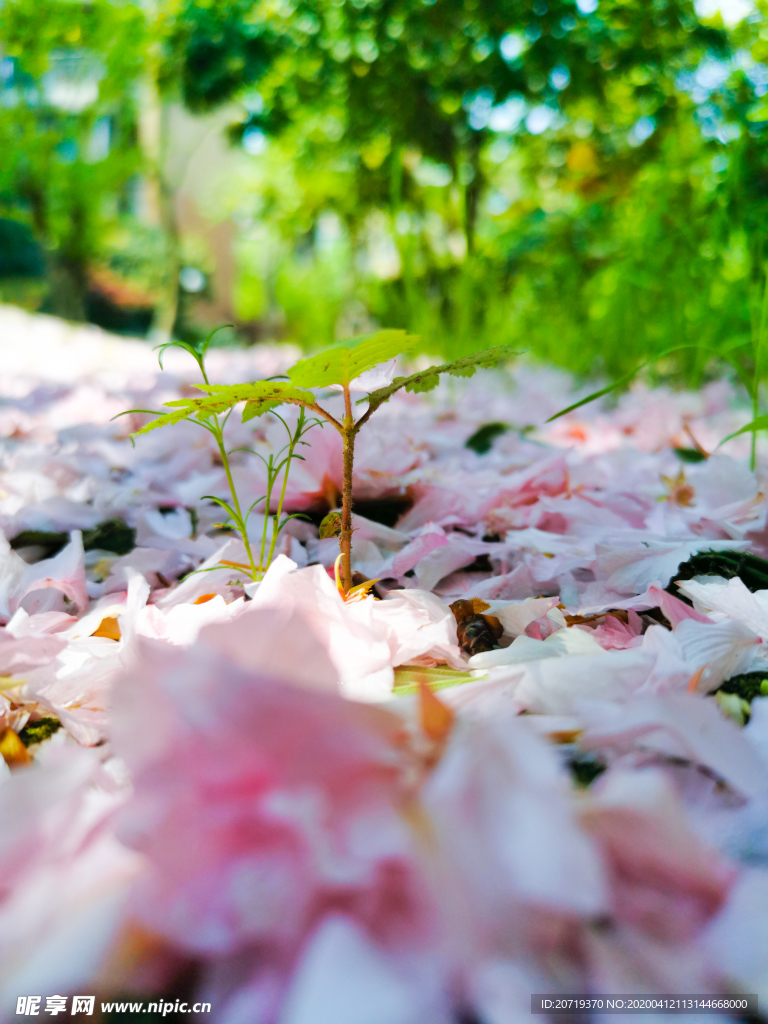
(427, 379)
(408, 677)
(197, 353)
(761, 423)
(341, 363)
(162, 349)
(165, 420)
(206, 344)
(689, 455)
(261, 396)
(258, 408)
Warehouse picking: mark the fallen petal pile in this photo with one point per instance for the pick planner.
(533, 758)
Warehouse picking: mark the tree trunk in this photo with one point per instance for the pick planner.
(68, 283)
(472, 192)
(167, 307)
(161, 210)
(66, 268)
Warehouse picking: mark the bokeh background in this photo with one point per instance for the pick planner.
(586, 179)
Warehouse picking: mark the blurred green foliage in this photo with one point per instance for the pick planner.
(588, 180)
(67, 71)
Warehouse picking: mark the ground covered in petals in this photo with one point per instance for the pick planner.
(534, 758)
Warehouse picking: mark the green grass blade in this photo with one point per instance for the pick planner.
(408, 677)
(761, 423)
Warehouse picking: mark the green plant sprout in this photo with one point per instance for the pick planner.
(214, 422)
(336, 367)
(275, 465)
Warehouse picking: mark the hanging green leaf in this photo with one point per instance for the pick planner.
(162, 420)
(341, 363)
(426, 380)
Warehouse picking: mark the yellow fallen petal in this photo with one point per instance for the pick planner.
(436, 718)
(360, 591)
(109, 628)
(564, 735)
(693, 682)
(13, 750)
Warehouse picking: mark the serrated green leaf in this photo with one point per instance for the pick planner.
(258, 408)
(184, 408)
(426, 380)
(408, 677)
(260, 396)
(429, 383)
(341, 363)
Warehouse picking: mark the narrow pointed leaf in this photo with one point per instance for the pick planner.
(628, 376)
(593, 397)
(761, 423)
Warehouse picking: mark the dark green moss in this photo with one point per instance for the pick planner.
(751, 570)
(584, 768)
(50, 542)
(747, 685)
(482, 439)
(689, 454)
(36, 732)
(111, 535)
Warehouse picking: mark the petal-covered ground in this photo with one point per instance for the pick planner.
(533, 759)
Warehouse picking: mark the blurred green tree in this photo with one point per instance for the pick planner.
(437, 77)
(67, 128)
(398, 107)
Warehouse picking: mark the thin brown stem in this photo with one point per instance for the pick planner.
(313, 407)
(365, 417)
(345, 541)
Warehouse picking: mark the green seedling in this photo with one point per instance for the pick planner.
(214, 421)
(337, 367)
